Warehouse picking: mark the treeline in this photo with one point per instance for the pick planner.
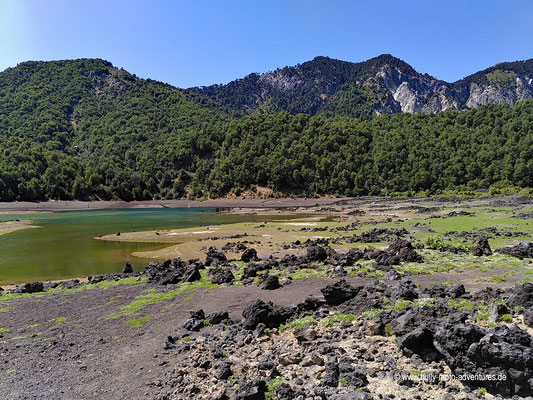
(394, 153)
(85, 130)
(289, 154)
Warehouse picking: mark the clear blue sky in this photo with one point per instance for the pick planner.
(197, 42)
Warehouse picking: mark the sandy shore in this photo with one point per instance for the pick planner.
(12, 226)
(104, 205)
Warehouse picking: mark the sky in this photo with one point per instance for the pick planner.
(202, 42)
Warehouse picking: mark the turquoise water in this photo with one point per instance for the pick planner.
(63, 245)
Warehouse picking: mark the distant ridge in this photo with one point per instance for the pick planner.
(381, 85)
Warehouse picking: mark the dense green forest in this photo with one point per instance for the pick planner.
(85, 130)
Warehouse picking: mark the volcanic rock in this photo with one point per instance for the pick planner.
(249, 255)
(339, 292)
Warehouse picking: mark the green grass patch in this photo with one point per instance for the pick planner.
(35, 335)
(138, 322)
(371, 313)
(299, 323)
(506, 318)
(482, 315)
(337, 317)
(499, 278)
(58, 320)
(438, 243)
(445, 283)
(144, 300)
(388, 330)
(375, 274)
(519, 309)
(170, 305)
(271, 387)
(401, 304)
(461, 304)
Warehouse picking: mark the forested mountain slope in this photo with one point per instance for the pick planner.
(83, 129)
(73, 129)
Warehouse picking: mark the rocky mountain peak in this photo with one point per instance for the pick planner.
(384, 84)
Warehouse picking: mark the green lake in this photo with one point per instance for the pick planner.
(63, 245)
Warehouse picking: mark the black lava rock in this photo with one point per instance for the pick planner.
(339, 292)
(249, 255)
(270, 283)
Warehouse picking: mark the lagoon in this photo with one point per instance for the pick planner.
(63, 246)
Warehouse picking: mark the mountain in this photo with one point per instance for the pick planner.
(76, 128)
(381, 85)
(84, 129)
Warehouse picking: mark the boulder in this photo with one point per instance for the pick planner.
(521, 250)
(455, 291)
(430, 317)
(254, 390)
(250, 271)
(191, 274)
(405, 251)
(405, 289)
(195, 321)
(339, 292)
(506, 351)
(214, 257)
(104, 277)
(528, 318)
(32, 287)
(220, 276)
(392, 275)
(223, 370)
(364, 301)
(316, 254)
(72, 283)
(338, 272)
(311, 303)
(351, 257)
(503, 351)
(217, 317)
(419, 341)
(260, 312)
(520, 295)
(482, 247)
(127, 268)
(249, 255)
(271, 283)
(331, 374)
(496, 311)
(284, 392)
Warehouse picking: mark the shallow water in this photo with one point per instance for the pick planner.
(63, 245)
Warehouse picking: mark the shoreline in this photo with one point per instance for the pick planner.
(77, 205)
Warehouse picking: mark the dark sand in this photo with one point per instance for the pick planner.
(62, 205)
